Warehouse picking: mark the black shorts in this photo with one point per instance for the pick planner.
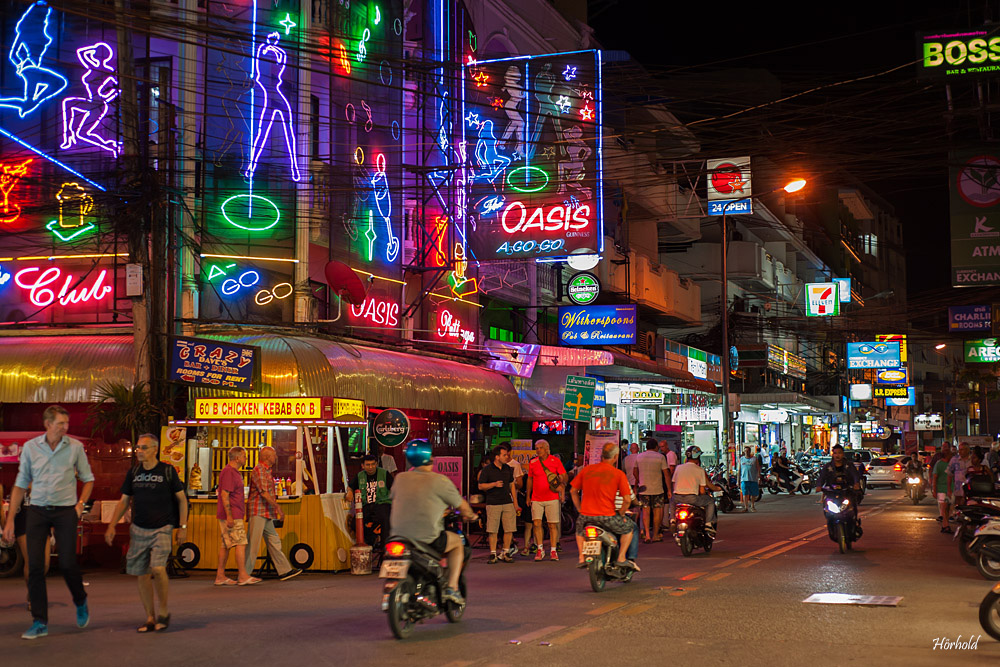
(440, 542)
(21, 522)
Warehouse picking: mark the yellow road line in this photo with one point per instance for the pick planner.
(717, 576)
(782, 550)
(637, 609)
(760, 551)
(611, 606)
(574, 634)
(727, 563)
(540, 633)
(693, 575)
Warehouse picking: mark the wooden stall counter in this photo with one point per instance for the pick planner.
(314, 535)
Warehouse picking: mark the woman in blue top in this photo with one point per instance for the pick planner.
(749, 476)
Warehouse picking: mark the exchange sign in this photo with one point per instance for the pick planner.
(873, 355)
(532, 166)
(975, 219)
(984, 351)
(891, 376)
(822, 299)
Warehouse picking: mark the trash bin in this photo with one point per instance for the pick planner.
(361, 559)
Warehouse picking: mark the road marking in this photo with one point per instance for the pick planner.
(458, 663)
(677, 594)
(760, 551)
(540, 633)
(782, 550)
(748, 563)
(611, 606)
(639, 608)
(693, 575)
(574, 634)
(727, 563)
(716, 577)
(806, 534)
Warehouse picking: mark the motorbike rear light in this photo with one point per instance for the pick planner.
(591, 532)
(898, 466)
(683, 514)
(395, 549)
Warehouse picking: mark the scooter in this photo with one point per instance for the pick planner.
(968, 519)
(915, 488)
(724, 499)
(799, 481)
(690, 529)
(989, 612)
(416, 581)
(600, 551)
(986, 545)
(840, 511)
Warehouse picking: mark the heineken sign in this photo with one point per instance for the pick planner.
(583, 288)
(391, 428)
(984, 351)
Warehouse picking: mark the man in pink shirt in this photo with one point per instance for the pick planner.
(546, 483)
(231, 512)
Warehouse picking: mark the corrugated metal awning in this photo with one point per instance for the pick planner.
(62, 369)
(304, 366)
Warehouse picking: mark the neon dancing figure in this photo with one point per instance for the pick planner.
(491, 161)
(31, 41)
(383, 201)
(515, 126)
(573, 171)
(274, 104)
(82, 116)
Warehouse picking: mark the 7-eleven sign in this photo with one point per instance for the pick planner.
(822, 299)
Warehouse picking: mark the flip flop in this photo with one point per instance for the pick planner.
(646, 540)
(249, 582)
(164, 621)
(148, 627)
(225, 582)
(658, 539)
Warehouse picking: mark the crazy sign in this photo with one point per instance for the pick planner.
(213, 363)
(533, 159)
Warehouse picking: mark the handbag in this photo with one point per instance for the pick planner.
(551, 477)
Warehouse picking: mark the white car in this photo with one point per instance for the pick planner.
(890, 470)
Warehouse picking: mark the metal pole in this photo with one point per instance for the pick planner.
(724, 313)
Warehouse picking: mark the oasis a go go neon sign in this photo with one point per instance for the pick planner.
(45, 286)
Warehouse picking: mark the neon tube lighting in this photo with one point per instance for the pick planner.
(27, 258)
(259, 259)
(51, 159)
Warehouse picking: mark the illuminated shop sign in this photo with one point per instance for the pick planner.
(956, 54)
(890, 391)
(891, 376)
(873, 355)
(597, 325)
(583, 288)
(822, 299)
(212, 363)
(729, 186)
(910, 399)
(258, 408)
(533, 156)
(45, 285)
(844, 289)
(378, 311)
(986, 350)
(969, 318)
(641, 397)
(450, 328)
(928, 422)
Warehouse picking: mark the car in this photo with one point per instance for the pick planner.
(888, 470)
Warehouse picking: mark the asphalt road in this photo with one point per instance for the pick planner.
(741, 604)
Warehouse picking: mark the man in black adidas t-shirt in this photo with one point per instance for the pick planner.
(158, 504)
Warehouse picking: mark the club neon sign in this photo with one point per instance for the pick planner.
(45, 286)
(377, 311)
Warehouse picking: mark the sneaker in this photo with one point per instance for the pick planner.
(553, 555)
(558, 547)
(512, 552)
(539, 555)
(492, 560)
(37, 629)
(525, 553)
(82, 616)
(505, 558)
(451, 595)
(294, 572)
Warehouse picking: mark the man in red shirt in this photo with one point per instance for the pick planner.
(600, 483)
(546, 484)
(262, 511)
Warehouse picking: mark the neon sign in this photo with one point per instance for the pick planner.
(274, 105)
(279, 291)
(100, 80)
(9, 177)
(31, 42)
(377, 311)
(246, 279)
(380, 188)
(287, 23)
(74, 205)
(248, 223)
(362, 48)
(450, 327)
(557, 218)
(4, 277)
(42, 286)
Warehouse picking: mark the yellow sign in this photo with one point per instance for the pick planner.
(349, 407)
(259, 408)
(173, 448)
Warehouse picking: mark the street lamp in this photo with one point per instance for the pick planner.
(940, 346)
(792, 186)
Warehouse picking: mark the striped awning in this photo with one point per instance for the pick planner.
(62, 369)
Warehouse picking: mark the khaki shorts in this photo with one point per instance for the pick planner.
(235, 536)
(495, 514)
(547, 508)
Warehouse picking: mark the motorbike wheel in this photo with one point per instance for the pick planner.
(773, 488)
(400, 621)
(914, 498)
(989, 568)
(596, 570)
(727, 505)
(841, 538)
(760, 494)
(989, 614)
(686, 546)
(452, 611)
(806, 489)
(964, 540)
(708, 544)
(11, 562)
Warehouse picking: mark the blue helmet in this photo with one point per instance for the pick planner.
(418, 453)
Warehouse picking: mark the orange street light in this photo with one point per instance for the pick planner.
(795, 185)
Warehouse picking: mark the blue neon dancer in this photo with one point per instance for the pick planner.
(274, 104)
(83, 116)
(31, 41)
(491, 161)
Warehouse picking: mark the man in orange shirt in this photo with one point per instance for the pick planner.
(600, 484)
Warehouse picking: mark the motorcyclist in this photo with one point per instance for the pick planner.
(599, 484)
(783, 470)
(692, 487)
(420, 498)
(914, 468)
(839, 474)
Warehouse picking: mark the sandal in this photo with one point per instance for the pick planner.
(646, 540)
(658, 538)
(249, 582)
(225, 582)
(164, 621)
(148, 627)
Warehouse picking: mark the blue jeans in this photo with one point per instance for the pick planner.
(633, 547)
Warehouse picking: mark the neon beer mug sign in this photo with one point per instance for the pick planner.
(47, 285)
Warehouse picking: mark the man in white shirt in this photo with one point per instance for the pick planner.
(691, 487)
(628, 465)
(670, 455)
(653, 480)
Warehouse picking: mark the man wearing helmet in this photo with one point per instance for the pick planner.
(420, 498)
(691, 487)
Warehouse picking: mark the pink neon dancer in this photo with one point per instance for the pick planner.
(82, 116)
(274, 104)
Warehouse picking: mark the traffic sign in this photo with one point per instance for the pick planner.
(578, 398)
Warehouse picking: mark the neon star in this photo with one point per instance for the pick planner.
(472, 119)
(497, 103)
(287, 23)
(587, 113)
(549, 151)
(569, 73)
(481, 79)
(563, 104)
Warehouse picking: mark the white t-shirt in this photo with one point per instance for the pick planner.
(651, 465)
(671, 458)
(688, 478)
(388, 463)
(629, 465)
(516, 465)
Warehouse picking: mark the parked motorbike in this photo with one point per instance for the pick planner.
(600, 550)
(986, 545)
(915, 488)
(968, 518)
(989, 612)
(798, 481)
(416, 581)
(724, 499)
(690, 532)
(840, 511)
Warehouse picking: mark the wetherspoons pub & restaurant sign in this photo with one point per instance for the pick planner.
(597, 325)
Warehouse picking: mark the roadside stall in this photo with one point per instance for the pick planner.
(315, 534)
